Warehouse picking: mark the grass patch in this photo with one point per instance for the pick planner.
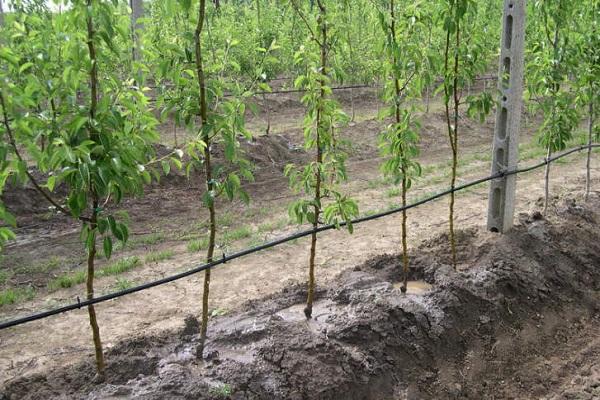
(12, 296)
(369, 213)
(157, 256)
(120, 266)
(237, 234)
(257, 212)
(272, 225)
(4, 276)
(197, 245)
(67, 280)
(40, 267)
(123, 284)
(393, 192)
(149, 240)
(225, 219)
(221, 392)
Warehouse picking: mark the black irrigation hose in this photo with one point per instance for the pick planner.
(225, 259)
(335, 88)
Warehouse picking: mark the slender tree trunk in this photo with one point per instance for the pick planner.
(398, 92)
(588, 178)
(352, 105)
(317, 198)
(175, 134)
(547, 180)
(93, 223)
(452, 130)
(137, 12)
(405, 263)
(208, 173)
(1, 15)
(427, 99)
(268, 110)
(100, 366)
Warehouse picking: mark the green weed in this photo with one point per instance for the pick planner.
(393, 192)
(222, 391)
(197, 245)
(12, 296)
(237, 234)
(158, 256)
(4, 276)
(120, 266)
(67, 280)
(123, 284)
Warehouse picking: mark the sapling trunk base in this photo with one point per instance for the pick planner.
(547, 181)
(588, 177)
(100, 365)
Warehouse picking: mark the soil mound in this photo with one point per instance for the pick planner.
(519, 319)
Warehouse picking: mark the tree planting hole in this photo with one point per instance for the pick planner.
(496, 203)
(506, 73)
(508, 33)
(503, 123)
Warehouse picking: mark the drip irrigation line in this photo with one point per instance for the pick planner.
(226, 258)
(335, 88)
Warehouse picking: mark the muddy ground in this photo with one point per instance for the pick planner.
(520, 319)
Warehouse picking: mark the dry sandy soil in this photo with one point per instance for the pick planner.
(172, 209)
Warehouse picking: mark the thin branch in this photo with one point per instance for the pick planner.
(303, 17)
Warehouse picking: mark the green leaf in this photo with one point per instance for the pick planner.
(108, 247)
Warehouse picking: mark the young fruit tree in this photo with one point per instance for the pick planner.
(320, 178)
(463, 60)
(97, 129)
(552, 63)
(587, 84)
(399, 141)
(211, 103)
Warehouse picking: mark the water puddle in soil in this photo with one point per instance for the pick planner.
(321, 311)
(415, 287)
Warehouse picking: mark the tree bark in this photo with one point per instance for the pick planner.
(208, 173)
(137, 12)
(588, 178)
(94, 218)
(317, 198)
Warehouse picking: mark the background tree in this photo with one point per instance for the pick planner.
(587, 73)
(548, 72)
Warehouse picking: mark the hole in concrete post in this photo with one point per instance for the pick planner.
(496, 200)
(508, 32)
(500, 158)
(503, 125)
(493, 229)
(506, 73)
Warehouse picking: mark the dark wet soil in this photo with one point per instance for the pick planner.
(519, 319)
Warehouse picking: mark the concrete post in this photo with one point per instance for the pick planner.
(137, 12)
(508, 116)
(1, 14)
